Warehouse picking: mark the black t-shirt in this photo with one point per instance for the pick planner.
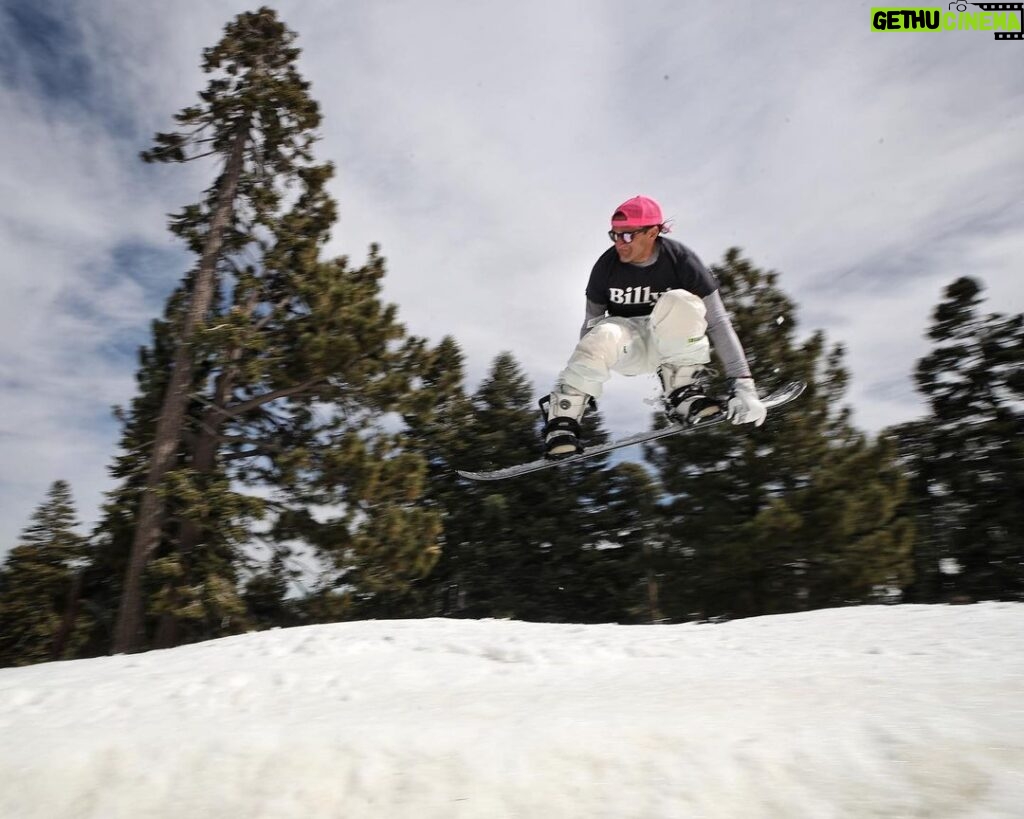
(629, 290)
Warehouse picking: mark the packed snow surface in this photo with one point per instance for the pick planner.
(902, 711)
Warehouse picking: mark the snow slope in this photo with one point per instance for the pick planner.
(906, 711)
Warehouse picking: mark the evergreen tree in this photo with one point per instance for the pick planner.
(967, 456)
(636, 566)
(40, 618)
(281, 366)
(929, 583)
(495, 423)
(267, 594)
(439, 422)
(788, 515)
(528, 548)
(257, 117)
(112, 539)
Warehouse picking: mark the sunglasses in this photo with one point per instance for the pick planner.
(626, 235)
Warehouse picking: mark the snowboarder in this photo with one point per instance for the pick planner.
(651, 307)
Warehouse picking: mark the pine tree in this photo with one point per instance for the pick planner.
(526, 548)
(267, 594)
(495, 423)
(328, 446)
(439, 422)
(281, 367)
(634, 558)
(40, 618)
(967, 456)
(112, 538)
(257, 111)
(781, 517)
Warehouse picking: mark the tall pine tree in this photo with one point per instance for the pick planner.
(257, 118)
(281, 366)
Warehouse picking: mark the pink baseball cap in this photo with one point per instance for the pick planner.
(640, 211)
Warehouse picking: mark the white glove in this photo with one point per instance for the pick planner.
(744, 405)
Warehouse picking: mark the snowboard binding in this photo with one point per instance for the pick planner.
(562, 413)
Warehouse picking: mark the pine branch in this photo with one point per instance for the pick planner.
(200, 156)
(259, 452)
(274, 311)
(261, 400)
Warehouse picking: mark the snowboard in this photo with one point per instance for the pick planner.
(776, 398)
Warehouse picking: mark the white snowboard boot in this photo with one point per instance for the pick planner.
(685, 399)
(562, 411)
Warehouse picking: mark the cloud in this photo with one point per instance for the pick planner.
(870, 170)
(85, 262)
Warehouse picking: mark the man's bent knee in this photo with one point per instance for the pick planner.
(679, 313)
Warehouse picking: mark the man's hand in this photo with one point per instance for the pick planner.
(744, 405)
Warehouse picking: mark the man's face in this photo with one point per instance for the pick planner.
(640, 248)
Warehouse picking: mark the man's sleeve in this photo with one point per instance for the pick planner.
(696, 277)
(724, 339)
(595, 312)
(597, 286)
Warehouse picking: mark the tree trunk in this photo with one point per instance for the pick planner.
(67, 624)
(167, 631)
(653, 607)
(128, 631)
(204, 461)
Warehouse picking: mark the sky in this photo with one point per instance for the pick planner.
(484, 146)
(855, 713)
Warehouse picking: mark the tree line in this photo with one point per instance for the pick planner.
(289, 455)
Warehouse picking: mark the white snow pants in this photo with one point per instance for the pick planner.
(674, 333)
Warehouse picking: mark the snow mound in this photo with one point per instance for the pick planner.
(895, 711)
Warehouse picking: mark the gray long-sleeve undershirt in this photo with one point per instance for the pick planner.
(720, 331)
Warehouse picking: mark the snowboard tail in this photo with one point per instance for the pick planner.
(777, 398)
